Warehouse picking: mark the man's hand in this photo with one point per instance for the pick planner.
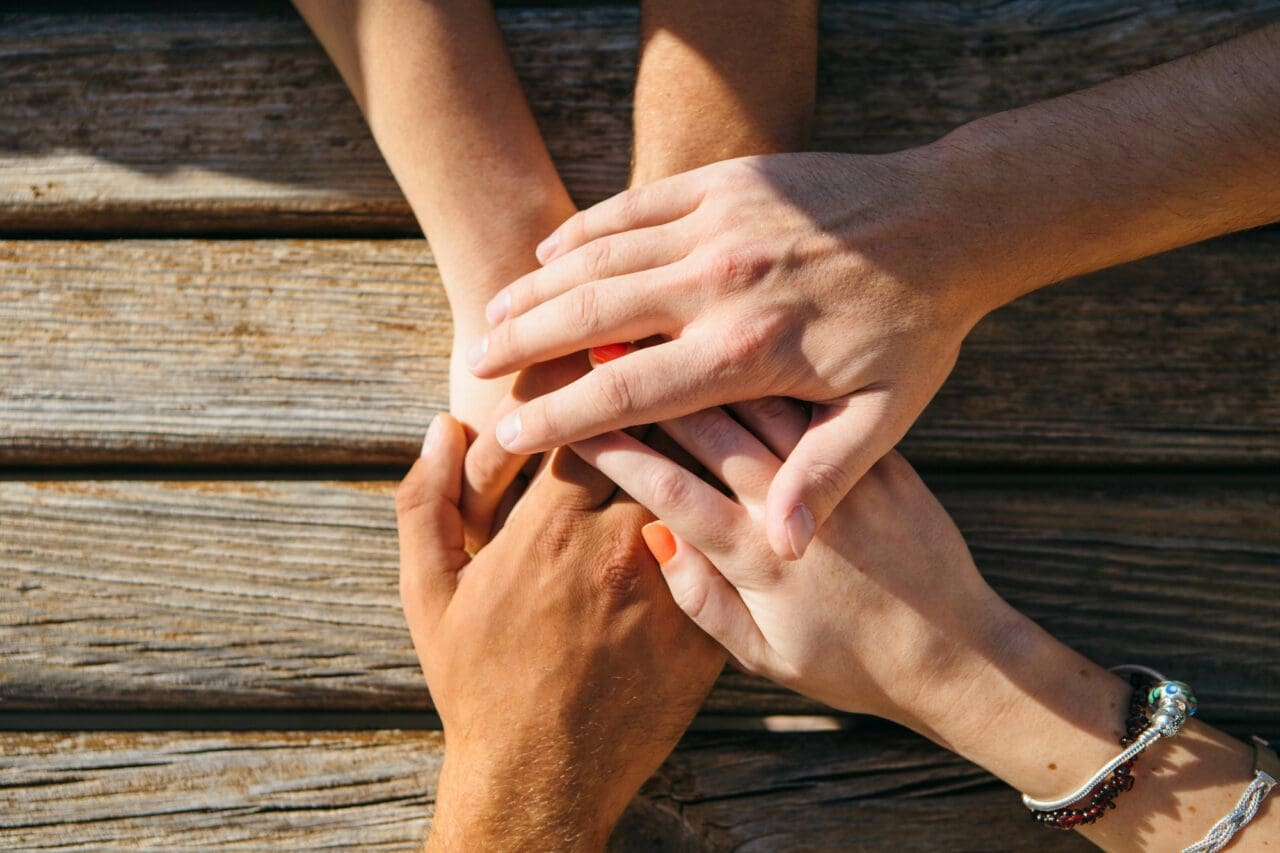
(814, 276)
(560, 666)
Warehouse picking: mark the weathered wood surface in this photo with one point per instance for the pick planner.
(881, 790)
(188, 123)
(335, 351)
(136, 595)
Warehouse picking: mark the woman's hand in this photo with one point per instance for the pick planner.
(824, 277)
(561, 668)
(885, 614)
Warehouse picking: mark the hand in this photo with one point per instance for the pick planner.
(559, 664)
(885, 614)
(491, 475)
(828, 278)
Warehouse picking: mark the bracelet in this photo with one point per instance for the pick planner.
(1266, 772)
(1156, 711)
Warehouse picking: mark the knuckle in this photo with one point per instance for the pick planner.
(669, 487)
(557, 536)
(730, 271)
(584, 308)
(629, 208)
(825, 478)
(693, 599)
(737, 177)
(709, 431)
(617, 397)
(595, 258)
(774, 409)
(747, 339)
(622, 568)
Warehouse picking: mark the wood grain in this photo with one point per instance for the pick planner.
(145, 595)
(332, 351)
(234, 121)
(881, 790)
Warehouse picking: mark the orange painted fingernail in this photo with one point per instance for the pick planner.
(660, 541)
(599, 355)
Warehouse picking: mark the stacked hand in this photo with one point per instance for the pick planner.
(885, 614)
(826, 278)
(561, 668)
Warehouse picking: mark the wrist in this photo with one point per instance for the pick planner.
(991, 248)
(1031, 710)
(534, 800)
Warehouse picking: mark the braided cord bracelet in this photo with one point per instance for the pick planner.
(1266, 773)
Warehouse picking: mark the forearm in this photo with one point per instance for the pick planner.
(521, 806)
(1136, 166)
(1044, 719)
(443, 102)
(720, 79)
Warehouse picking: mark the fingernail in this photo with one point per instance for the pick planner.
(508, 429)
(599, 355)
(477, 351)
(800, 529)
(547, 248)
(433, 436)
(496, 311)
(660, 541)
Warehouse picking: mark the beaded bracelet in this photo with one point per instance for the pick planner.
(1158, 708)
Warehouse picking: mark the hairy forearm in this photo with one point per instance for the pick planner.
(530, 803)
(720, 79)
(1139, 165)
(1044, 719)
(443, 102)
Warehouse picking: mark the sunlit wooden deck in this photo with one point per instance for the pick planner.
(221, 340)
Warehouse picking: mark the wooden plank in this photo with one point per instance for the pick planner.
(143, 595)
(329, 351)
(886, 790)
(235, 121)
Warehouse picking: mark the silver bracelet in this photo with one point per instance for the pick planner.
(1171, 703)
(1266, 772)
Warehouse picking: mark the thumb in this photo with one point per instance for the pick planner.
(430, 525)
(706, 596)
(844, 439)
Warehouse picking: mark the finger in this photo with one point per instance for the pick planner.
(779, 422)
(843, 441)
(685, 502)
(608, 257)
(706, 596)
(578, 485)
(652, 384)
(488, 473)
(490, 468)
(599, 312)
(728, 450)
(430, 526)
(638, 207)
